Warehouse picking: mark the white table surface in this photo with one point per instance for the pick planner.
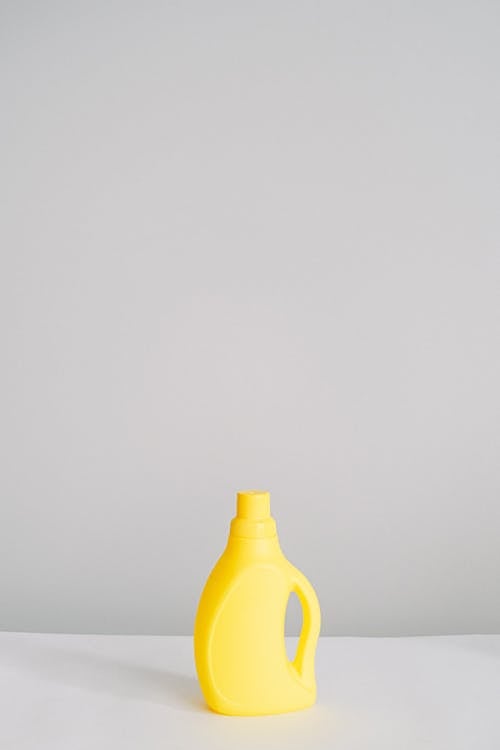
(71, 692)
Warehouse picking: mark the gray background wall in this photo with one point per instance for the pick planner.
(249, 245)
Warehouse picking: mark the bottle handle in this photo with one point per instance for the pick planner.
(311, 623)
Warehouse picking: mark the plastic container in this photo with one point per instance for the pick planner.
(239, 634)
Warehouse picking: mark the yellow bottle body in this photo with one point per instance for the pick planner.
(239, 642)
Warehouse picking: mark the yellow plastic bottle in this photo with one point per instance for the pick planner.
(239, 634)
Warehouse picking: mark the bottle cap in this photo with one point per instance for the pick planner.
(253, 516)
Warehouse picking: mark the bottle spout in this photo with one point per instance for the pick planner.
(254, 505)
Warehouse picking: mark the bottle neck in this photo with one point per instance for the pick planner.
(253, 547)
(248, 528)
